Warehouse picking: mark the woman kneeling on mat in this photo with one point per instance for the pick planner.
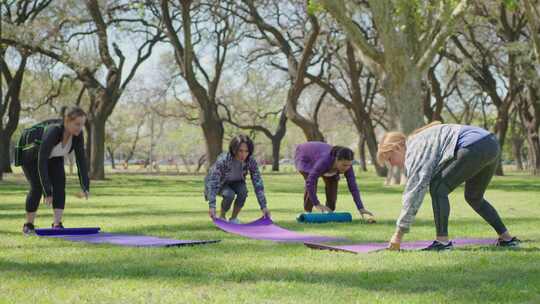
(42, 159)
(318, 159)
(227, 177)
(441, 157)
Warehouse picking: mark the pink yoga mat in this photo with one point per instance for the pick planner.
(265, 229)
(416, 245)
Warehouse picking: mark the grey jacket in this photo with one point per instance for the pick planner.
(427, 153)
(216, 178)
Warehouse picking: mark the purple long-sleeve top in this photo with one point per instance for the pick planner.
(314, 158)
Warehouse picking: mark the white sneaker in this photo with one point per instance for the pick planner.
(234, 221)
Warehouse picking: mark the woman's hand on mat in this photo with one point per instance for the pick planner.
(394, 246)
(323, 208)
(48, 200)
(364, 211)
(212, 213)
(398, 235)
(395, 241)
(265, 212)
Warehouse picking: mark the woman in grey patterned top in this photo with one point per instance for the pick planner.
(440, 157)
(227, 177)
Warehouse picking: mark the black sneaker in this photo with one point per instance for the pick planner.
(58, 226)
(514, 242)
(29, 229)
(438, 246)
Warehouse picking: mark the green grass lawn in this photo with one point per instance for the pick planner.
(239, 270)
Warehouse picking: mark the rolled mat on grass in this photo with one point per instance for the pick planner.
(416, 245)
(69, 234)
(324, 217)
(265, 229)
(67, 231)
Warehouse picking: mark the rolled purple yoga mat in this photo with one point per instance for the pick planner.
(416, 245)
(67, 231)
(265, 229)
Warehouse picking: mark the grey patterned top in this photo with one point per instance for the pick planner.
(237, 171)
(216, 178)
(427, 152)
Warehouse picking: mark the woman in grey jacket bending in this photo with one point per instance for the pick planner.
(441, 157)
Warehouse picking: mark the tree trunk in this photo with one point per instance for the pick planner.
(278, 138)
(213, 135)
(404, 97)
(501, 128)
(517, 146)
(371, 141)
(10, 104)
(97, 149)
(533, 140)
(111, 156)
(200, 163)
(276, 148)
(5, 162)
(362, 152)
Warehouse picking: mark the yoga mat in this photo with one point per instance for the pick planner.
(265, 229)
(129, 240)
(416, 245)
(67, 231)
(324, 217)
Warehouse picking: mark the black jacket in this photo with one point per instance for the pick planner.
(51, 137)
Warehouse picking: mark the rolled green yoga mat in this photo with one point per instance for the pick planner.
(324, 217)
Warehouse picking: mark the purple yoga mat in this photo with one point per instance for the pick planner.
(129, 240)
(265, 229)
(67, 231)
(416, 245)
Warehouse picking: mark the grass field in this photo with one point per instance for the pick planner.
(239, 270)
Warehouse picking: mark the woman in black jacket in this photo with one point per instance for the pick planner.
(43, 165)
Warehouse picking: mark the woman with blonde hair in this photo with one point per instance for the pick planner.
(441, 157)
(40, 152)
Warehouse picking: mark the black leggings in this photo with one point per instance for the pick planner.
(57, 177)
(474, 165)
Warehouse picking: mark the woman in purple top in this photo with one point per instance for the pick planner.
(318, 159)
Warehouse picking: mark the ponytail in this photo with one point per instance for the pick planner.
(342, 153)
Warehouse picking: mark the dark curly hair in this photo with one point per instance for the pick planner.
(342, 153)
(238, 140)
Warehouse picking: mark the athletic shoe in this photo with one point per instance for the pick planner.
(438, 246)
(513, 243)
(234, 221)
(59, 226)
(29, 229)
